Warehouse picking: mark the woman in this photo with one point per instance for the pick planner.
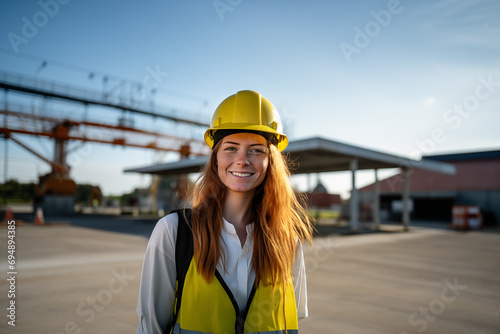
(234, 263)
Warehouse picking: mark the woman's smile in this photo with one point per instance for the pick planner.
(242, 174)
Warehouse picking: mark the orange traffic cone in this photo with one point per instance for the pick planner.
(8, 216)
(39, 220)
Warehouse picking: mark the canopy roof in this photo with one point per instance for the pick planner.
(315, 155)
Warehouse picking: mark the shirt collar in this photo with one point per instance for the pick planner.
(229, 228)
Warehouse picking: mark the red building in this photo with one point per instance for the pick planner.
(319, 198)
(476, 182)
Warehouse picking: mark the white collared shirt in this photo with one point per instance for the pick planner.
(157, 290)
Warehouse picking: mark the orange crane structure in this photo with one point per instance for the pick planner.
(18, 119)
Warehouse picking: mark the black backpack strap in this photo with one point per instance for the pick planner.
(242, 318)
(183, 255)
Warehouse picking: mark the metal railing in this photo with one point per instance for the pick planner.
(121, 96)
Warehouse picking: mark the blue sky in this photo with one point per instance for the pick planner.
(404, 77)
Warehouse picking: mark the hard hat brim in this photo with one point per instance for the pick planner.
(281, 139)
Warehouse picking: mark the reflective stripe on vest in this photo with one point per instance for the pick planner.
(177, 329)
(211, 308)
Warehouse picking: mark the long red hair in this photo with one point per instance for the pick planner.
(279, 217)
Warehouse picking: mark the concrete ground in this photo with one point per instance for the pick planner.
(75, 279)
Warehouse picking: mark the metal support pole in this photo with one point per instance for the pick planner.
(59, 154)
(353, 202)
(406, 199)
(6, 153)
(5, 172)
(376, 203)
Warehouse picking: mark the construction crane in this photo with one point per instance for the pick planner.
(18, 120)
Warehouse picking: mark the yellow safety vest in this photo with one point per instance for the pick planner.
(211, 307)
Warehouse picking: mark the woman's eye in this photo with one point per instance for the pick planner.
(256, 151)
(230, 148)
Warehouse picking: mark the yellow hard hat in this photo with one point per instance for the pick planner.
(246, 111)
